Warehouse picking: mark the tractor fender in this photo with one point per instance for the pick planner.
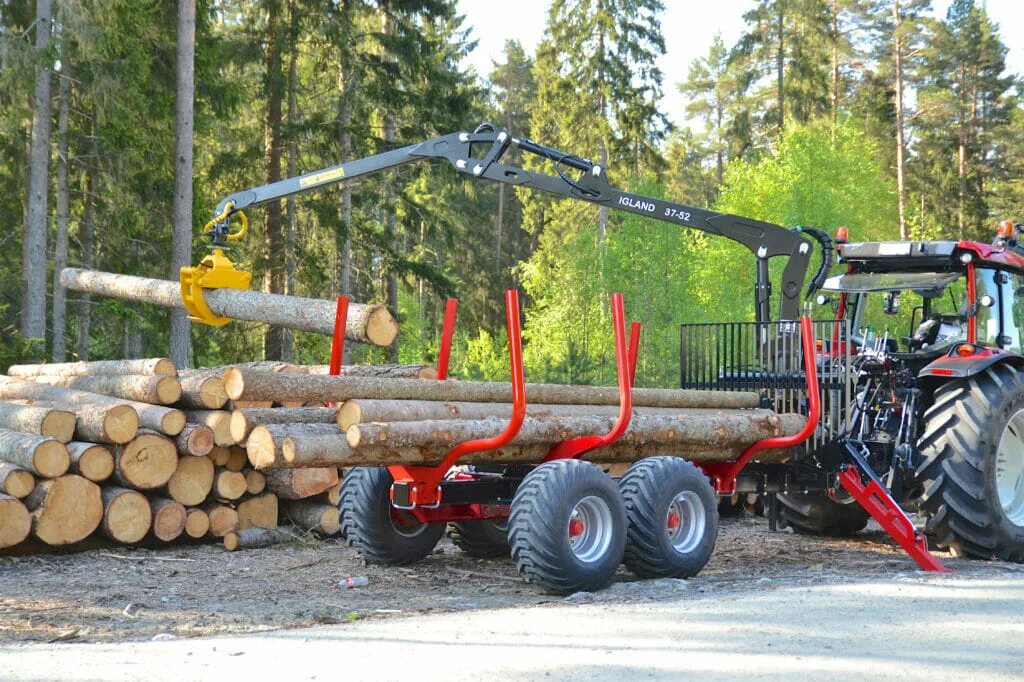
(958, 365)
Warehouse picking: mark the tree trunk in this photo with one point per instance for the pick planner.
(180, 346)
(168, 519)
(780, 65)
(38, 420)
(203, 389)
(258, 512)
(291, 227)
(388, 203)
(195, 440)
(33, 251)
(274, 247)
(901, 145)
(147, 462)
(42, 455)
(192, 481)
(218, 420)
(127, 516)
(223, 519)
(244, 421)
(253, 538)
(65, 510)
(313, 516)
(366, 323)
(91, 461)
(60, 258)
(834, 93)
(298, 484)
(197, 523)
(343, 241)
(157, 390)
(86, 230)
(228, 485)
(15, 522)
(16, 481)
(151, 366)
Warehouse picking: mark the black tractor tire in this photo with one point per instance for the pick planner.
(542, 518)
(815, 513)
(382, 533)
(731, 507)
(480, 539)
(957, 473)
(655, 491)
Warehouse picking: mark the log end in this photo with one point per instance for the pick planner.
(223, 519)
(200, 440)
(168, 390)
(353, 435)
(19, 483)
(255, 482)
(231, 541)
(173, 422)
(168, 519)
(349, 413)
(96, 463)
(260, 448)
(229, 485)
(128, 517)
(51, 459)
(121, 423)
(197, 523)
(15, 522)
(234, 383)
(148, 461)
(330, 521)
(239, 427)
(59, 424)
(66, 509)
(212, 393)
(192, 480)
(165, 367)
(381, 327)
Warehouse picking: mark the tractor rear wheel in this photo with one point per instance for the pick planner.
(972, 465)
(815, 513)
(480, 539)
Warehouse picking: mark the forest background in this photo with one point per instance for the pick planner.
(872, 114)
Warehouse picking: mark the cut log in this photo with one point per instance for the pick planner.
(379, 371)
(252, 404)
(333, 494)
(248, 384)
(223, 519)
(191, 481)
(197, 523)
(154, 366)
(236, 459)
(15, 522)
(157, 390)
(41, 455)
(195, 440)
(255, 482)
(147, 462)
(38, 420)
(218, 420)
(265, 443)
(258, 512)
(219, 456)
(366, 323)
(97, 423)
(313, 516)
(228, 485)
(253, 538)
(203, 389)
(16, 481)
(298, 484)
(168, 519)
(127, 516)
(244, 421)
(163, 419)
(65, 510)
(91, 461)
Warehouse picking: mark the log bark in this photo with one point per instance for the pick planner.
(197, 523)
(265, 443)
(192, 481)
(152, 366)
(223, 519)
(147, 462)
(313, 516)
(258, 512)
(168, 519)
(378, 371)
(333, 494)
(366, 323)
(248, 384)
(228, 485)
(298, 484)
(15, 522)
(16, 481)
(253, 538)
(244, 421)
(38, 420)
(127, 516)
(203, 389)
(42, 455)
(195, 440)
(65, 510)
(91, 461)
(97, 423)
(236, 459)
(255, 482)
(218, 420)
(156, 390)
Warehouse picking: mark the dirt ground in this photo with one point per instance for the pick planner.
(188, 591)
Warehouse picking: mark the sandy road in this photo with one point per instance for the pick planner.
(909, 627)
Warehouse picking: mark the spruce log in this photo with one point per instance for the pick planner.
(42, 455)
(313, 516)
(379, 371)
(65, 510)
(197, 522)
(218, 420)
(203, 389)
(147, 462)
(154, 366)
(163, 419)
(219, 456)
(253, 538)
(38, 420)
(223, 519)
(298, 484)
(16, 481)
(195, 440)
(258, 512)
(333, 494)
(127, 516)
(265, 442)
(191, 481)
(91, 461)
(254, 404)
(168, 519)
(366, 323)
(244, 421)
(228, 485)
(15, 522)
(255, 482)
(156, 390)
(249, 384)
(97, 423)
(236, 459)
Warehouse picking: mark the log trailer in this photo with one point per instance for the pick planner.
(939, 427)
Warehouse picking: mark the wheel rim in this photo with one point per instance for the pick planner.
(590, 529)
(685, 521)
(406, 524)
(1010, 469)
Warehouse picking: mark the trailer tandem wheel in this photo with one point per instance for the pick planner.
(383, 534)
(673, 518)
(567, 527)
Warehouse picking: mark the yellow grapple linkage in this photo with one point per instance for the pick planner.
(215, 271)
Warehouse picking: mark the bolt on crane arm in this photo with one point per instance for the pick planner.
(765, 240)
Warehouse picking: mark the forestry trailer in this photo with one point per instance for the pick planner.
(934, 420)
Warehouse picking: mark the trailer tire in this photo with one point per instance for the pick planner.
(815, 513)
(480, 539)
(382, 533)
(673, 518)
(969, 465)
(567, 527)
